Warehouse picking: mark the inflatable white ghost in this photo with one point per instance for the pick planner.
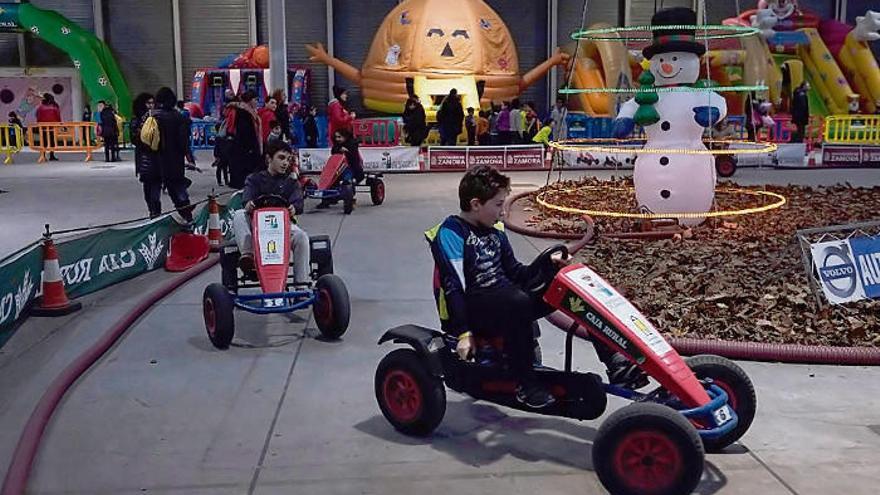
(675, 181)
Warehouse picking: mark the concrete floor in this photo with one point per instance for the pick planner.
(284, 412)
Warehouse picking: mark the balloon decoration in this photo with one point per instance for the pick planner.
(427, 47)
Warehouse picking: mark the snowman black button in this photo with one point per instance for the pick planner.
(665, 193)
(664, 160)
(665, 125)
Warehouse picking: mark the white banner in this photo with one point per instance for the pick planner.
(391, 159)
(838, 274)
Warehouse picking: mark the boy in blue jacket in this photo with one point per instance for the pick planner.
(483, 284)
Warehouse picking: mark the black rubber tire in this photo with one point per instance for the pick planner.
(377, 191)
(218, 311)
(659, 422)
(725, 166)
(734, 381)
(333, 308)
(346, 193)
(429, 388)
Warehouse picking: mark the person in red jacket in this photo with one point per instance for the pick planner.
(48, 111)
(338, 116)
(267, 115)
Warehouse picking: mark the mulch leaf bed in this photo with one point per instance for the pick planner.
(735, 278)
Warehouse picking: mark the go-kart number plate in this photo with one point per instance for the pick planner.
(271, 239)
(627, 314)
(722, 415)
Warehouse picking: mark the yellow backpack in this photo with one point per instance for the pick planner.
(150, 133)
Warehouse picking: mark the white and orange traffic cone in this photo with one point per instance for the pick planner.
(54, 301)
(215, 235)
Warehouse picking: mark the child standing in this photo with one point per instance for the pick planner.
(310, 127)
(470, 125)
(483, 128)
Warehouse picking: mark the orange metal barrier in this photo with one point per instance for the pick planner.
(48, 137)
(11, 141)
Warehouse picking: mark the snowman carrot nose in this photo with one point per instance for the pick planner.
(666, 68)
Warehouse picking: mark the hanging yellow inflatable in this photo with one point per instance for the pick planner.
(427, 47)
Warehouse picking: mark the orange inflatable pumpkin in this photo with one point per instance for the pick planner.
(427, 47)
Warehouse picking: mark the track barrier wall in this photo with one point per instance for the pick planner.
(94, 260)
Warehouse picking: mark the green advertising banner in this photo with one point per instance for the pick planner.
(95, 261)
(20, 276)
(91, 263)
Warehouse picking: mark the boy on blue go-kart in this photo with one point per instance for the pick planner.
(275, 180)
(488, 292)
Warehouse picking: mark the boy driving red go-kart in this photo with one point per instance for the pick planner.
(266, 238)
(489, 293)
(275, 180)
(655, 445)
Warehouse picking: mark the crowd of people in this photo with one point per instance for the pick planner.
(504, 123)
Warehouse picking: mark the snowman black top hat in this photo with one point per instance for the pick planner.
(674, 40)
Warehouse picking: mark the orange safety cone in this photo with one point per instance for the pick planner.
(54, 301)
(215, 236)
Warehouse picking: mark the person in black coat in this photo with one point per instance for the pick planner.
(450, 117)
(800, 111)
(414, 121)
(310, 127)
(110, 133)
(173, 149)
(245, 151)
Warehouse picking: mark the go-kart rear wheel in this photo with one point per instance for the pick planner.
(740, 394)
(346, 193)
(725, 165)
(218, 310)
(411, 399)
(377, 191)
(648, 449)
(332, 309)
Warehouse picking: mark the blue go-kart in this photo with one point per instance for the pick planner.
(271, 275)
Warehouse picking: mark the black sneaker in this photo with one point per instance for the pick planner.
(534, 396)
(624, 373)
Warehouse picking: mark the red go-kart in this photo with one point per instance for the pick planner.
(271, 236)
(654, 446)
(336, 183)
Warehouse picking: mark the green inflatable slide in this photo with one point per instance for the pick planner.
(91, 56)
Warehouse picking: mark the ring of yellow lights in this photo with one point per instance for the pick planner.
(619, 147)
(779, 201)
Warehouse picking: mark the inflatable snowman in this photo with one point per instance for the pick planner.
(672, 181)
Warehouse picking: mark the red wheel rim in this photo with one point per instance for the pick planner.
(731, 397)
(324, 307)
(210, 315)
(403, 398)
(648, 461)
(380, 191)
(725, 167)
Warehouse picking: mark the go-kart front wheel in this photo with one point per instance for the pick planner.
(218, 310)
(739, 389)
(411, 399)
(648, 449)
(377, 191)
(332, 309)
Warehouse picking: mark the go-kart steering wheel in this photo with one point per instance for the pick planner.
(270, 201)
(545, 268)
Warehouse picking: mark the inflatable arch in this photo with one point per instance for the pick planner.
(91, 56)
